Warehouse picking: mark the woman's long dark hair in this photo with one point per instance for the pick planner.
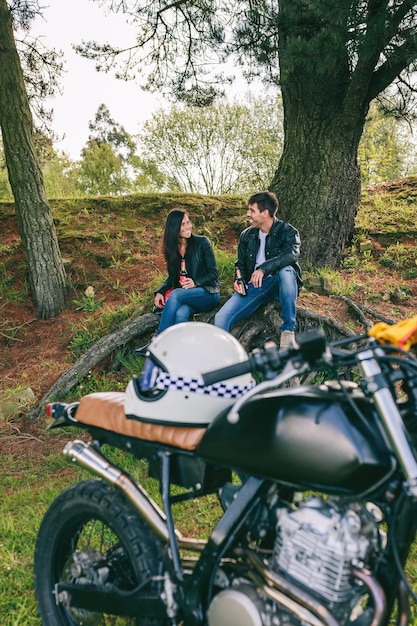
(171, 238)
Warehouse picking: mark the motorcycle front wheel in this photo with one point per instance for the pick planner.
(91, 535)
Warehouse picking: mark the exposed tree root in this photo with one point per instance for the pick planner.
(360, 308)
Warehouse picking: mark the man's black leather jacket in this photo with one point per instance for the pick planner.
(282, 248)
(201, 265)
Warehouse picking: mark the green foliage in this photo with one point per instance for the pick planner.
(362, 261)
(104, 130)
(147, 175)
(139, 299)
(88, 301)
(400, 257)
(386, 150)
(104, 166)
(109, 165)
(24, 501)
(83, 339)
(130, 362)
(5, 189)
(226, 264)
(101, 172)
(335, 283)
(228, 147)
(322, 39)
(60, 176)
(388, 209)
(98, 381)
(91, 329)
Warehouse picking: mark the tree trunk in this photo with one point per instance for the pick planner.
(323, 127)
(325, 216)
(47, 280)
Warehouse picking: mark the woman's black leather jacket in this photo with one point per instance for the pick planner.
(201, 265)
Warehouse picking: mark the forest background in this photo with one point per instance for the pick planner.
(229, 147)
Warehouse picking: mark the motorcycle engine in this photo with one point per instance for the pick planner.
(316, 543)
(319, 540)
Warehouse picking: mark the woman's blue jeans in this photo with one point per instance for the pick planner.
(182, 303)
(281, 286)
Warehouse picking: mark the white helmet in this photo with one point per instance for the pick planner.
(171, 389)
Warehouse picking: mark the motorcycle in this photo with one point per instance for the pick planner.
(316, 486)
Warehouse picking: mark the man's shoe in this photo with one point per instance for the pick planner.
(287, 340)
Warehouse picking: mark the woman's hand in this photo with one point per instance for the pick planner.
(159, 300)
(188, 283)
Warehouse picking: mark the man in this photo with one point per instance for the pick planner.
(268, 252)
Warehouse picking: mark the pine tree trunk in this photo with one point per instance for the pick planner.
(323, 126)
(325, 216)
(47, 278)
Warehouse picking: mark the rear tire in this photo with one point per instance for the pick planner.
(91, 534)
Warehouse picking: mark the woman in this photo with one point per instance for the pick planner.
(197, 289)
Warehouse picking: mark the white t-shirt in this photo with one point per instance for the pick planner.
(260, 257)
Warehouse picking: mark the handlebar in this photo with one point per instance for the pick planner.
(231, 371)
(269, 360)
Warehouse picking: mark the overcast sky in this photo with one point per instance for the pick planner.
(84, 89)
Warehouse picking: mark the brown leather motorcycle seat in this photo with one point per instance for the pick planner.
(106, 410)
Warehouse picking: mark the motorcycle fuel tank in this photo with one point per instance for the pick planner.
(307, 439)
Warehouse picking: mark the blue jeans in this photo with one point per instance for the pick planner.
(281, 286)
(182, 303)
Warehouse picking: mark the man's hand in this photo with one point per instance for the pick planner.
(238, 288)
(257, 277)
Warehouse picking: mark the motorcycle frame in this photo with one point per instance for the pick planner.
(194, 590)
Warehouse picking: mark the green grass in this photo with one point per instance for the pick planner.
(27, 491)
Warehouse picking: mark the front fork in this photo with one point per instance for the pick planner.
(378, 387)
(402, 525)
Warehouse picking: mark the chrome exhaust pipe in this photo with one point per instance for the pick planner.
(297, 609)
(377, 593)
(302, 604)
(91, 459)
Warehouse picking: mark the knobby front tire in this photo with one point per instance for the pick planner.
(92, 535)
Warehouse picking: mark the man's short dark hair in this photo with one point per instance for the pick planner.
(266, 201)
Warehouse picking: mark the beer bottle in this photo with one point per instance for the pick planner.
(242, 287)
(183, 272)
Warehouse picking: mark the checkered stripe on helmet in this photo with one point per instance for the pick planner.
(182, 383)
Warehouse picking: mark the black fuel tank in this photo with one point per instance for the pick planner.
(306, 439)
